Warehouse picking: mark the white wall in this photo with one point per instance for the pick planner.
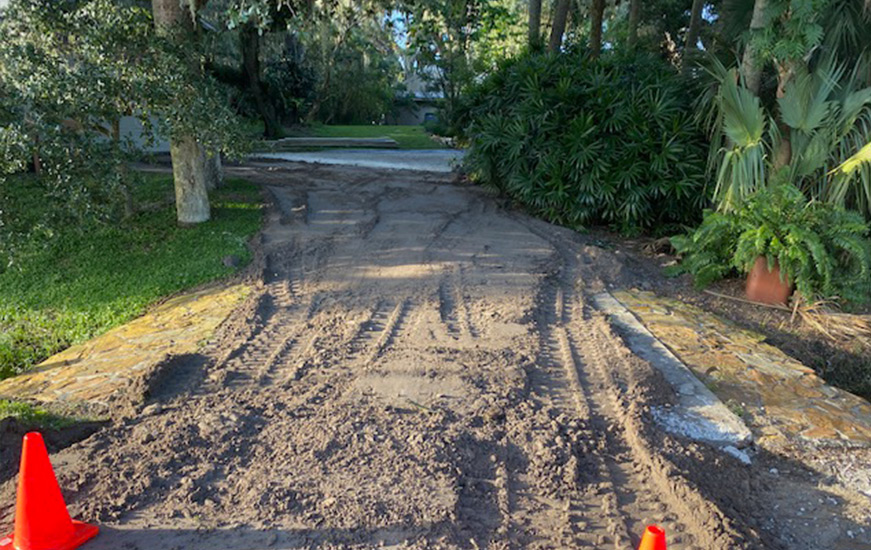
(132, 129)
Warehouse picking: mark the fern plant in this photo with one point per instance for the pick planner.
(821, 248)
(582, 141)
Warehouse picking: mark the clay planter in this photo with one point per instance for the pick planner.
(765, 286)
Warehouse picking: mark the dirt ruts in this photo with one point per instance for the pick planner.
(420, 368)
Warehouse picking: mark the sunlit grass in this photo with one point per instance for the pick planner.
(408, 137)
(84, 283)
(33, 416)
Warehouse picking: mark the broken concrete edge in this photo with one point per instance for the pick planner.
(698, 414)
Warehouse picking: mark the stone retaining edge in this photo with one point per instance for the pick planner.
(698, 414)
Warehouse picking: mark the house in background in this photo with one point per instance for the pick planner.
(131, 128)
(420, 103)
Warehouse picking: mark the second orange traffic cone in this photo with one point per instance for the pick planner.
(653, 539)
(41, 518)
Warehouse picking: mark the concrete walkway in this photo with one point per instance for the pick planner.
(424, 160)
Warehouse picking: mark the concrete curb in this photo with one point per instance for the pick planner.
(381, 143)
(699, 414)
(427, 160)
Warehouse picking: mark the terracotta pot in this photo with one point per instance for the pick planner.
(766, 286)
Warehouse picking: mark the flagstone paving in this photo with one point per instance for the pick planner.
(93, 373)
(781, 400)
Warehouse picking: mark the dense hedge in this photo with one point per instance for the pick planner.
(584, 141)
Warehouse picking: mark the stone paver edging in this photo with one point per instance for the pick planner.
(783, 402)
(95, 372)
(698, 414)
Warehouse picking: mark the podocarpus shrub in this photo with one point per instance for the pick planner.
(583, 141)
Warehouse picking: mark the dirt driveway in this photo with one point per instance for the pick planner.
(421, 369)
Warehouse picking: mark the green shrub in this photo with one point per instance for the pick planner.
(822, 248)
(583, 141)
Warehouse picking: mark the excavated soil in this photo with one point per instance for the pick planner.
(421, 368)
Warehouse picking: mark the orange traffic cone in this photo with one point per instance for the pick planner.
(41, 518)
(653, 539)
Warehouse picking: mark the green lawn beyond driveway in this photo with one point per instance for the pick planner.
(408, 137)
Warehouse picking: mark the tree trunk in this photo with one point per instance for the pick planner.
(691, 45)
(750, 66)
(558, 29)
(695, 29)
(783, 153)
(250, 45)
(597, 15)
(634, 18)
(188, 162)
(534, 23)
(214, 172)
(189, 173)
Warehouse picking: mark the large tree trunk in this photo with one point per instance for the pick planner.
(558, 28)
(250, 45)
(783, 153)
(597, 15)
(750, 66)
(634, 19)
(189, 173)
(534, 22)
(188, 162)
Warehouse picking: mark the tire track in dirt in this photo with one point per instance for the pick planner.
(390, 330)
(453, 306)
(640, 485)
(283, 315)
(587, 513)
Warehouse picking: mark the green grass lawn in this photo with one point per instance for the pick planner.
(83, 283)
(31, 415)
(408, 137)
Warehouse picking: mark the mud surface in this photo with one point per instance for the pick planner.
(422, 369)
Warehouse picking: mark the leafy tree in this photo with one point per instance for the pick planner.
(350, 44)
(70, 71)
(461, 39)
(254, 20)
(827, 116)
(811, 128)
(290, 80)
